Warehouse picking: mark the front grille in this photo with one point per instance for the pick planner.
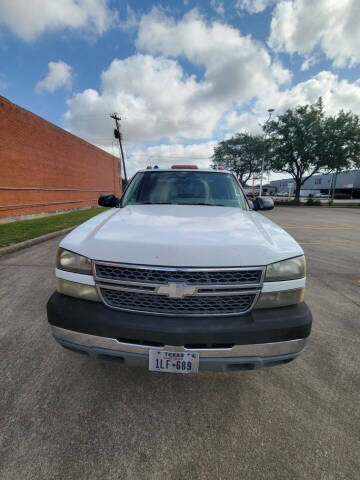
(223, 277)
(190, 305)
(178, 291)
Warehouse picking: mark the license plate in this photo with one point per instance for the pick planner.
(173, 362)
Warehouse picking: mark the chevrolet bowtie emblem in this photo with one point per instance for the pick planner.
(176, 290)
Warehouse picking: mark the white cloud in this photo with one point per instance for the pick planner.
(154, 98)
(166, 155)
(253, 6)
(243, 122)
(131, 20)
(29, 19)
(218, 7)
(309, 62)
(158, 100)
(236, 83)
(58, 76)
(281, 74)
(97, 127)
(302, 25)
(337, 94)
(236, 67)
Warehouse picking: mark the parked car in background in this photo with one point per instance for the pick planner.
(321, 195)
(282, 194)
(251, 195)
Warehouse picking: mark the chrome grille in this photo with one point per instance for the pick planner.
(191, 305)
(176, 290)
(110, 272)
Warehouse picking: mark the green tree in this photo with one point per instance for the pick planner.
(296, 143)
(342, 146)
(303, 142)
(241, 154)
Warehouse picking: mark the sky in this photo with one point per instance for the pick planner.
(182, 74)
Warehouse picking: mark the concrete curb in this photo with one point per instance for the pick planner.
(33, 241)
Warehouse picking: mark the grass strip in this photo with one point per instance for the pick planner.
(22, 230)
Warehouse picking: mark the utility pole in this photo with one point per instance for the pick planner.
(117, 134)
(270, 112)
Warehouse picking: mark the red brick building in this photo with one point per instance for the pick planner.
(43, 168)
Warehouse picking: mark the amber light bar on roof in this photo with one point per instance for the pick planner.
(190, 167)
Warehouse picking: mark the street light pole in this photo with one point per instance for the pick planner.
(270, 112)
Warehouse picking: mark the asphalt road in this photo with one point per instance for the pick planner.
(337, 201)
(64, 416)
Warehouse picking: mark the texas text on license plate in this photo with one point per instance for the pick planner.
(173, 362)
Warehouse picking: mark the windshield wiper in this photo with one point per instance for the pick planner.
(154, 203)
(203, 203)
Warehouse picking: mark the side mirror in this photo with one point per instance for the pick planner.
(251, 203)
(263, 203)
(108, 200)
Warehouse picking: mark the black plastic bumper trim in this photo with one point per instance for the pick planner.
(258, 326)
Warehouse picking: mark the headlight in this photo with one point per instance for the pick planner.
(72, 262)
(280, 299)
(77, 290)
(290, 269)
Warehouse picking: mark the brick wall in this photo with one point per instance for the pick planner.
(43, 168)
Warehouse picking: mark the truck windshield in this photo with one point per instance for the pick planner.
(185, 188)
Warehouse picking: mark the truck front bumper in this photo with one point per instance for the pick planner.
(259, 338)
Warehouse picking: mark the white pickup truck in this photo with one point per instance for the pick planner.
(182, 274)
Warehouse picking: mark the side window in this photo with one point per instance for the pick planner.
(238, 193)
(132, 193)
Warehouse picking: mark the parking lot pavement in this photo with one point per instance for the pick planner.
(64, 416)
(337, 201)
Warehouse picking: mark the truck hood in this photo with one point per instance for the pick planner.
(183, 236)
